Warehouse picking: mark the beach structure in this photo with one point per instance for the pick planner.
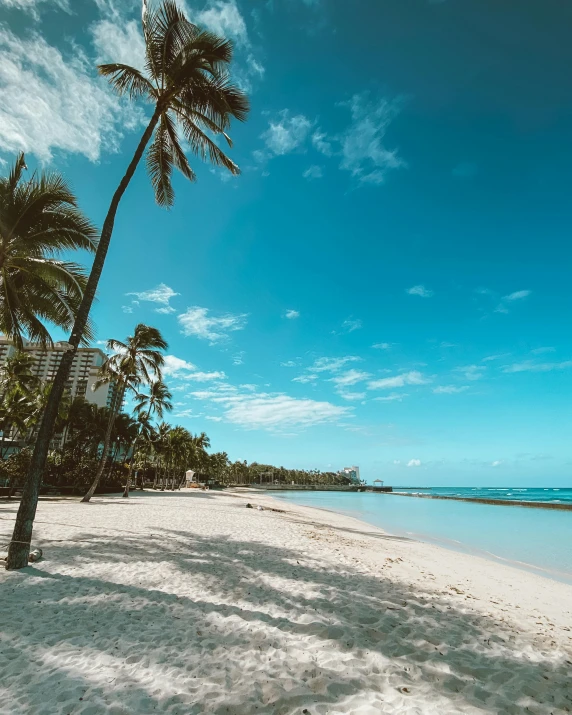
(378, 482)
(190, 478)
(82, 377)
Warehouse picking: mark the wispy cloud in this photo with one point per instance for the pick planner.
(351, 396)
(393, 397)
(531, 366)
(288, 363)
(413, 377)
(120, 42)
(382, 346)
(350, 377)
(450, 389)
(197, 321)
(414, 463)
(351, 324)
(313, 172)
(542, 351)
(507, 300)
(421, 291)
(54, 103)
(325, 364)
(471, 372)
(500, 356)
(176, 367)
(161, 295)
(363, 149)
(33, 6)
(270, 411)
(205, 376)
(285, 134)
(304, 379)
(292, 314)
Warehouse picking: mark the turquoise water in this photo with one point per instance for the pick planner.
(538, 540)
(536, 494)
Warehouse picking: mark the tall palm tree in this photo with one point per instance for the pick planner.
(156, 401)
(39, 220)
(135, 361)
(188, 84)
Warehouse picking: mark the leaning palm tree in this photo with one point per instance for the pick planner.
(39, 220)
(135, 361)
(156, 401)
(187, 83)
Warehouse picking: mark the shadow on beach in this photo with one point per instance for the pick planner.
(250, 643)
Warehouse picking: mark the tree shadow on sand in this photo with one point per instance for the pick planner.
(178, 623)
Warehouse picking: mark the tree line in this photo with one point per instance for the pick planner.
(108, 448)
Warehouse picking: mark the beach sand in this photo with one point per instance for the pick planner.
(189, 603)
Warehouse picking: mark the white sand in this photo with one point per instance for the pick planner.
(190, 603)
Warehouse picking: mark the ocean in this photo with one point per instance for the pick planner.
(538, 540)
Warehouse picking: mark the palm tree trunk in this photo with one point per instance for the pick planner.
(131, 461)
(106, 443)
(19, 548)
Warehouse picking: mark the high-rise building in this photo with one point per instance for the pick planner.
(352, 473)
(83, 372)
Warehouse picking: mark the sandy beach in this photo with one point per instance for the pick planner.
(191, 603)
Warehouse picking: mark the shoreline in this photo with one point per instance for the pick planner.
(494, 502)
(189, 602)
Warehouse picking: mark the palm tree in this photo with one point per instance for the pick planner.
(157, 401)
(188, 84)
(39, 220)
(134, 361)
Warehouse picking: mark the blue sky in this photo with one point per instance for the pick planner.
(388, 282)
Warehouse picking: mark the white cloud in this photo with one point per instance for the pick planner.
(325, 364)
(292, 314)
(196, 321)
(205, 376)
(238, 358)
(351, 396)
(304, 379)
(225, 20)
(421, 291)
(287, 133)
(33, 6)
(362, 145)
(120, 42)
(272, 412)
(517, 295)
(288, 363)
(214, 419)
(542, 351)
(351, 324)
(497, 462)
(321, 144)
(161, 295)
(382, 346)
(176, 367)
(394, 396)
(530, 366)
(413, 377)
(313, 172)
(450, 389)
(350, 377)
(472, 372)
(490, 358)
(414, 463)
(127, 308)
(49, 102)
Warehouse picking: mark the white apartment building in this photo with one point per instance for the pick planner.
(83, 373)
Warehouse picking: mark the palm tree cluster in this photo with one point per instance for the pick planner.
(188, 85)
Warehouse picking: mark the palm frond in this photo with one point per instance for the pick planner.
(160, 162)
(127, 80)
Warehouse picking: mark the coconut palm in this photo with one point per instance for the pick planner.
(39, 220)
(187, 83)
(156, 401)
(133, 362)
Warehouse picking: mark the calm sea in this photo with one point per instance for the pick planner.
(538, 540)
